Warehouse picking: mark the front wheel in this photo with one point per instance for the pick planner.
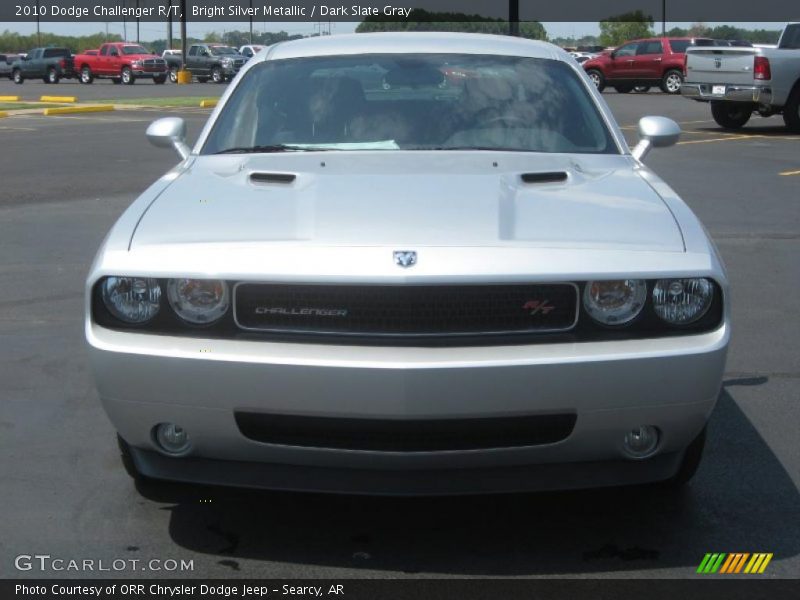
(671, 82)
(17, 77)
(691, 461)
(173, 74)
(217, 76)
(731, 115)
(86, 75)
(127, 76)
(597, 79)
(52, 75)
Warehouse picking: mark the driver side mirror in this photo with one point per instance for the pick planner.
(169, 132)
(655, 132)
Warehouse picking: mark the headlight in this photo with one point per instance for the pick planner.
(131, 299)
(614, 302)
(136, 64)
(198, 301)
(227, 61)
(682, 301)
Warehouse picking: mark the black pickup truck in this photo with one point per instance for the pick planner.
(48, 64)
(216, 62)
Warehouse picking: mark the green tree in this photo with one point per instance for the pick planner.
(629, 26)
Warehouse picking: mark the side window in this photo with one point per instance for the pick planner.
(247, 52)
(193, 51)
(790, 39)
(627, 49)
(679, 46)
(112, 51)
(104, 51)
(650, 48)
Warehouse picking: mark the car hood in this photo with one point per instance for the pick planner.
(412, 199)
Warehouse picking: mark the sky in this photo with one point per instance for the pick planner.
(153, 31)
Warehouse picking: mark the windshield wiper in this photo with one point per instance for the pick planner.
(479, 148)
(271, 148)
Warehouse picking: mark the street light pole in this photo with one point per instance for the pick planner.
(663, 17)
(137, 21)
(513, 17)
(169, 25)
(251, 22)
(38, 33)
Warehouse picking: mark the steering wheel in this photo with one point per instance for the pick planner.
(510, 121)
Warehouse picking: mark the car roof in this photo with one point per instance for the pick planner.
(416, 42)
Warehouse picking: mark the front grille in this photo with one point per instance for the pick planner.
(154, 64)
(406, 310)
(405, 435)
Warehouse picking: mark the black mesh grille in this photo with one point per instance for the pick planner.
(405, 435)
(406, 310)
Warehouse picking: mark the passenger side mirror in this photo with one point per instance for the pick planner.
(655, 132)
(169, 132)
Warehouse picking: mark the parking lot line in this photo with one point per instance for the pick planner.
(790, 173)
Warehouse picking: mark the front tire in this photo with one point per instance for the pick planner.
(17, 77)
(217, 76)
(127, 76)
(671, 82)
(731, 115)
(86, 75)
(791, 112)
(173, 74)
(52, 75)
(691, 461)
(597, 78)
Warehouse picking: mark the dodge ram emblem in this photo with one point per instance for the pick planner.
(405, 258)
(718, 63)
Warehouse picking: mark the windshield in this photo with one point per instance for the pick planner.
(134, 50)
(411, 102)
(222, 50)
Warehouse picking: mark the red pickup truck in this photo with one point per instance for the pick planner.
(641, 64)
(122, 63)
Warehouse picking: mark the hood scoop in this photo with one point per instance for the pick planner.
(544, 177)
(272, 178)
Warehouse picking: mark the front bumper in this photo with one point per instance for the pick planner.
(612, 387)
(755, 94)
(142, 73)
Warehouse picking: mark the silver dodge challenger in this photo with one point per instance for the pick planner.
(409, 264)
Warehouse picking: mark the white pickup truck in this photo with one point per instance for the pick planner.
(741, 81)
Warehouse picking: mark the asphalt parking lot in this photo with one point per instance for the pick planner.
(64, 180)
(104, 89)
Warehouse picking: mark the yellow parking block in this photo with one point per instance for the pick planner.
(184, 77)
(58, 99)
(71, 110)
(208, 103)
(9, 98)
(3, 114)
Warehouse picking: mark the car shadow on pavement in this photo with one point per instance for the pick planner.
(741, 500)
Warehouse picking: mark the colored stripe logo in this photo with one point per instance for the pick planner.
(736, 562)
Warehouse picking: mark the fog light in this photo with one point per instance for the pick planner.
(171, 438)
(641, 442)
